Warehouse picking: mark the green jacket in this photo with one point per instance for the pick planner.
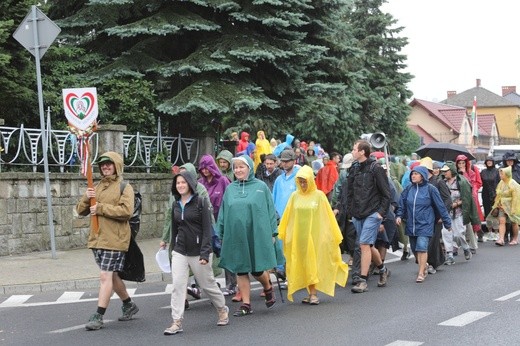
(247, 225)
(226, 155)
(469, 209)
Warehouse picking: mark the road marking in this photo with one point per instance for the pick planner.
(131, 293)
(405, 343)
(69, 329)
(508, 296)
(465, 319)
(69, 297)
(15, 300)
(168, 289)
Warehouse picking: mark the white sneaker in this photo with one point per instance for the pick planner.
(175, 328)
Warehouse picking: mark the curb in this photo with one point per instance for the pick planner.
(71, 285)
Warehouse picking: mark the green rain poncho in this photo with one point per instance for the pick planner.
(247, 224)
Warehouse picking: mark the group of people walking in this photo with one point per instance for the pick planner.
(278, 217)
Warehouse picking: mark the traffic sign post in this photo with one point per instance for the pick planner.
(36, 33)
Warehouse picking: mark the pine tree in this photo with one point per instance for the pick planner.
(384, 94)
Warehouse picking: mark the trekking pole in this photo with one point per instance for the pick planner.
(278, 283)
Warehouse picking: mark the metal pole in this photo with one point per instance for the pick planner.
(44, 130)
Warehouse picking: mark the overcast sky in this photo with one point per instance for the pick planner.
(454, 42)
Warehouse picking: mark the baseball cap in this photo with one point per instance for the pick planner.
(287, 155)
(104, 159)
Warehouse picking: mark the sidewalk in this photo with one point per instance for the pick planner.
(71, 270)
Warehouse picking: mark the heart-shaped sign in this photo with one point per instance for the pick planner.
(80, 107)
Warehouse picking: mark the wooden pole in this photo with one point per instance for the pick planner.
(94, 226)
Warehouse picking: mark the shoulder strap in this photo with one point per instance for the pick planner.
(122, 186)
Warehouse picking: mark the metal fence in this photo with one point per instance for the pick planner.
(21, 149)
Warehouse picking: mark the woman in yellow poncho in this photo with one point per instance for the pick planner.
(262, 147)
(311, 239)
(508, 201)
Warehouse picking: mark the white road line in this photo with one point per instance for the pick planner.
(15, 300)
(508, 296)
(465, 318)
(168, 289)
(405, 343)
(69, 329)
(131, 293)
(69, 297)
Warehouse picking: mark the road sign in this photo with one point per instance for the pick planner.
(46, 28)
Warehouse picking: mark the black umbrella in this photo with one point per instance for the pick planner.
(443, 151)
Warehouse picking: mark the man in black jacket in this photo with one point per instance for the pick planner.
(368, 199)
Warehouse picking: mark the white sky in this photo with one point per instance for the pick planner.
(451, 43)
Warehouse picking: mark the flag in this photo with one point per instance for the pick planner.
(474, 122)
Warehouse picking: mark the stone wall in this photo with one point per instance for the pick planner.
(23, 210)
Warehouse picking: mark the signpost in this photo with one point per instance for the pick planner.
(36, 33)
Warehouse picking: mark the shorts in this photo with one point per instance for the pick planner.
(367, 228)
(109, 260)
(419, 243)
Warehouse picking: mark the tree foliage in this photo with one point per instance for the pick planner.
(325, 70)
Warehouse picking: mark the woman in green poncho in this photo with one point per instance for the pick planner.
(247, 227)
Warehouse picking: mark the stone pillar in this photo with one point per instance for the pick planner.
(111, 138)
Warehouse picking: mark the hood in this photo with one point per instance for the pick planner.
(465, 159)
(207, 161)
(191, 169)
(250, 148)
(116, 159)
(422, 171)
(453, 168)
(509, 155)
(289, 139)
(243, 136)
(226, 155)
(192, 182)
(489, 158)
(306, 173)
(311, 148)
(260, 135)
(249, 163)
(508, 172)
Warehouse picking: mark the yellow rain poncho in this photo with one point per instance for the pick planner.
(311, 239)
(508, 196)
(262, 147)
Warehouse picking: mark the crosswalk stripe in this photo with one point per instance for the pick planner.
(508, 296)
(15, 300)
(69, 329)
(69, 297)
(465, 319)
(405, 343)
(131, 293)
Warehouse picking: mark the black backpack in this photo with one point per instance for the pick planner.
(135, 219)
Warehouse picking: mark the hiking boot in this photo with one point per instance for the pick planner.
(405, 256)
(467, 254)
(431, 270)
(360, 287)
(449, 261)
(384, 274)
(175, 328)
(229, 291)
(223, 316)
(95, 322)
(129, 310)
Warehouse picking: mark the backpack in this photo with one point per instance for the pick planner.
(135, 219)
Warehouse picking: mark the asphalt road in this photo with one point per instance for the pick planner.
(471, 302)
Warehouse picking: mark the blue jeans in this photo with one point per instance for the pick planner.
(367, 228)
(419, 243)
